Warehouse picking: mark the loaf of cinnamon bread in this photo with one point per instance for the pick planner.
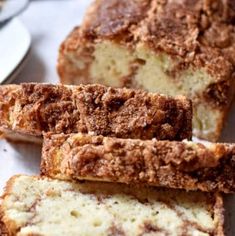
(171, 47)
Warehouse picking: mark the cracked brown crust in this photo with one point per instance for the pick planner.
(198, 31)
(212, 201)
(113, 18)
(35, 108)
(173, 164)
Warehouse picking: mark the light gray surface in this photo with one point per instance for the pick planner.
(49, 22)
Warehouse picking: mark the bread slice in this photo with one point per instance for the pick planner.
(171, 47)
(30, 109)
(46, 207)
(186, 165)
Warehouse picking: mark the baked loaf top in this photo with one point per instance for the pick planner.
(36, 108)
(186, 165)
(201, 32)
(42, 206)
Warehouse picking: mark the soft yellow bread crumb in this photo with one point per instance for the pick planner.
(42, 206)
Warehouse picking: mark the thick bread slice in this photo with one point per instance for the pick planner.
(172, 47)
(31, 109)
(172, 164)
(46, 207)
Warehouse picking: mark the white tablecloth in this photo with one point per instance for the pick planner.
(48, 23)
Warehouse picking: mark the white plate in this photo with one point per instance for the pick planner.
(11, 8)
(15, 42)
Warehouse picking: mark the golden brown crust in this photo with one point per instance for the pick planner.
(219, 215)
(201, 32)
(113, 18)
(7, 225)
(35, 108)
(161, 163)
(68, 72)
(3, 229)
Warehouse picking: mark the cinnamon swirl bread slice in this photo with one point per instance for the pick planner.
(46, 207)
(173, 164)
